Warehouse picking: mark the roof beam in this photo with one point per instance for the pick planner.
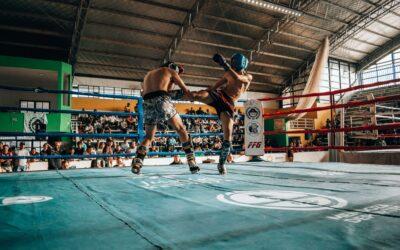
(139, 16)
(122, 43)
(161, 5)
(36, 46)
(201, 66)
(248, 38)
(80, 21)
(34, 31)
(117, 55)
(267, 37)
(359, 14)
(379, 53)
(364, 21)
(144, 71)
(184, 27)
(275, 66)
(129, 29)
(377, 5)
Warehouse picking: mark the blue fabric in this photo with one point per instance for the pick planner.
(169, 208)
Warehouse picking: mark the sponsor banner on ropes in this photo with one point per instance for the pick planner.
(254, 128)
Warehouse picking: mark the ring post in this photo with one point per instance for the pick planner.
(254, 130)
(140, 119)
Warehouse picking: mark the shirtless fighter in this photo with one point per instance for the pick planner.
(158, 107)
(222, 97)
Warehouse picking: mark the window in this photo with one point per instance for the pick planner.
(105, 90)
(34, 105)
(387, 68)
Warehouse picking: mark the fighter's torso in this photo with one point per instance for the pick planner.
(234, 88)
(156, 80)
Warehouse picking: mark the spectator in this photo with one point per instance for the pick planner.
(22, 163)
(55, 164)
(127, 107)
(91, 151)
(79, 149)
(6, 164)
(33, 152)
(176, 161)
(124, 144)
(132, 149)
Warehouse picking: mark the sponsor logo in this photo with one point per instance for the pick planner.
(36, 124)
(18, 200)
(253, 113)
(282, 200)
(254, 129)
(254, 145)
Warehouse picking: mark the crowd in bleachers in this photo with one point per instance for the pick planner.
(89, 123)
(128, 124)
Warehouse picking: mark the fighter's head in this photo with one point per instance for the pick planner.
(239, 62)
(169, 64)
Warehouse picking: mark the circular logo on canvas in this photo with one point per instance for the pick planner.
(18, 200)
(253, 113)
(253, 129)
(282, 200)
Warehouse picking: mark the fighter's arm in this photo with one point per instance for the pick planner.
(176, 79)
(249, 78)
(222, 61)
(218, 84)
(171, 86)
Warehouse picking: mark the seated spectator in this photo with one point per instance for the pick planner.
(55, 164)
(124, 145)
(22, 163)
(6, 164)
(127, 108)
(33, 152)
(132, 149)
(200, 111)
(89, 129)
(46, 150)
(176, 161)
(66, 163)
(79, 150)
(91, 151)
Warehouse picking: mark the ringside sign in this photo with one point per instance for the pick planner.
(254, 128)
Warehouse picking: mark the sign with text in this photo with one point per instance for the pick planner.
(254, 128)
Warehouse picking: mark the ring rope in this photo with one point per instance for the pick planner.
(57, 156)
(335, 106)
(98, 135)
(74, 112)
(71, 92)
(324, 131)
(340, 91)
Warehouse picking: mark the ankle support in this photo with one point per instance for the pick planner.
(141, 152)
(225, 150)
(188, 148)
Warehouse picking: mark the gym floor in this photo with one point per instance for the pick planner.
(256, 206)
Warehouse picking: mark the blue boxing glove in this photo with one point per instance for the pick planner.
(221, 61)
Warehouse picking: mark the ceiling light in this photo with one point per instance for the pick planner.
(272, 6)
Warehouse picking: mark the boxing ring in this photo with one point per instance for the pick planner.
(258, 205)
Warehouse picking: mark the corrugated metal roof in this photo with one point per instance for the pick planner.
(125, 38)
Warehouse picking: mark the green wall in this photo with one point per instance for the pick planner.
(11, 122)
(281, 140)
(14, 122)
